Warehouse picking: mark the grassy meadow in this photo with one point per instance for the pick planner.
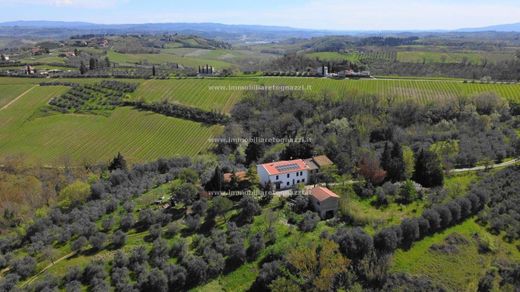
(461, 269)
(452, 57)
(162, 58)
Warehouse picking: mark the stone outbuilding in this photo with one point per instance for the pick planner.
(324, 201)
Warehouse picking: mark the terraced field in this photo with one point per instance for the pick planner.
(140, 136)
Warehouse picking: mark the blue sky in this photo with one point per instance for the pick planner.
(319, 14)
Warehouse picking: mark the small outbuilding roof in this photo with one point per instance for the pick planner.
(310, 163)
(322, 161)
(241, 176)
(322, 193)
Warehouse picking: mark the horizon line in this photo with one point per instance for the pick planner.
(268, 25)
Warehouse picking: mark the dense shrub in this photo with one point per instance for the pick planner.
(24, 267)
(309, 221)
(180, 111)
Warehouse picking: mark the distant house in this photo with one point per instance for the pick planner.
(68, 54)
(4, 58)
(318, 162)
(29, 70)
(103, 43)
(353, 74)
(322, 71)
(324, 201)
(283, 174)
(37, 51)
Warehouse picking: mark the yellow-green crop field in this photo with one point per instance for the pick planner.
(51, 140)
(221, 94)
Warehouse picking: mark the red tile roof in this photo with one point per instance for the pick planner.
(241, 176)
(281, 167)
(322, 193)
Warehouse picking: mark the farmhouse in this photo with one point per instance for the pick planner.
(4, 58)
(323, 70)
(318, 162)
(324, 201)
(284, 174)
(353, 74)
(37, 51)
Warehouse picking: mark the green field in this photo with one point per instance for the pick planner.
(421, 90)
(10, 92)
(208, 94)
(43, 59)
(334, 56)
(217, 54)
(144, 136)
(162, 58)
(451, 57)
(192, 92)
(140, 136)
(460, 271)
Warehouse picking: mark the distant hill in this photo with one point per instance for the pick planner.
(224, 32)
(514, 27)
(251, 33)
(48, 24)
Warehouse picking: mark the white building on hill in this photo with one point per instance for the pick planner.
(284, 174)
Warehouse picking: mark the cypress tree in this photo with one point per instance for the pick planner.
(428, 170)
(216, 182)
(386, 158)
(119, 162)
(82, 68)
(254, 151)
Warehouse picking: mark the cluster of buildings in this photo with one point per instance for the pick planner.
(30, 70)
(206, 71)
(324, 71)
(4, 58)
(282, 175)
(99, 42)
